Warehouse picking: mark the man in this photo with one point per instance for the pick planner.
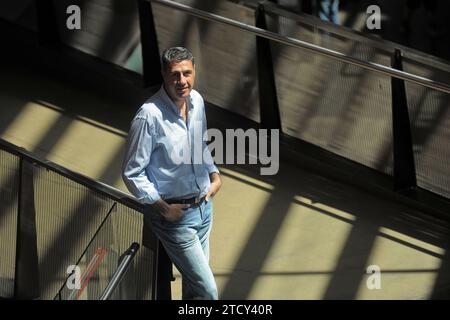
(178, 193)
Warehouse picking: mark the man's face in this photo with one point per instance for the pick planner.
(179, 79)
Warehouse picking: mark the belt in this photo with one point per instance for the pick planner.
(191, 201)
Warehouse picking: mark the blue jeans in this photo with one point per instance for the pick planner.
(187, 244)
(329, 10)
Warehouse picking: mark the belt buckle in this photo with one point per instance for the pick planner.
(196, 200)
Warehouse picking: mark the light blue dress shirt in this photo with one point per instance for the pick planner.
(166, 157)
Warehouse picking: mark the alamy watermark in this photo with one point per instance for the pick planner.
(74, 20)
(238, 145)
(74, 279)
(374, 19)
(374, 280)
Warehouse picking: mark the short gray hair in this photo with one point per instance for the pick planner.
(175, 54)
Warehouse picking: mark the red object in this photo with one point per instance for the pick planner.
(93, 265)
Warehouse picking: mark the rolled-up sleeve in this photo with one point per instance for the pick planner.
(138, 151)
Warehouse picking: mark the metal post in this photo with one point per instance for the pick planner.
(404, 166)
(47, 25)
(162, 266)
(26, 280)
(124, 264)
(268, 102)
(150, 53)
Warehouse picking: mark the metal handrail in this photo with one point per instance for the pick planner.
(102, 188)
(371, 40)
(307, 46)
(120, 272)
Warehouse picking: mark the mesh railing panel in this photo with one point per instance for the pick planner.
(128, 228)
(429, 113)
(97, 265)
(9, 192)
(342, 108)
(101, 259)
(67, 216)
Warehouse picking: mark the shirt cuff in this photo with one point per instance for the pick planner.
(150, 199)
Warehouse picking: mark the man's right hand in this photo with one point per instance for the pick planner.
(174, 212)
(170, 212)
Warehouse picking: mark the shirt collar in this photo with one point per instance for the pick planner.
(172, 105)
